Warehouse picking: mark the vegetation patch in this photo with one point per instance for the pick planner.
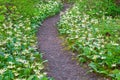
(19, 58)
(92, 28)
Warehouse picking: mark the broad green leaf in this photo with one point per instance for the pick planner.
(2, 18)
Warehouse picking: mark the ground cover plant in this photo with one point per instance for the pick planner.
(19, 58)
(92, 28)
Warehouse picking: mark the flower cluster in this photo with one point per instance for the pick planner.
(19, 58)
(94, 36)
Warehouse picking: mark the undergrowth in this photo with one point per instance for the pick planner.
(92, 28)
(19, 58)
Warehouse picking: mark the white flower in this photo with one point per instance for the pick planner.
(21, 60)
(101, 53)
(83, 25)
(89, 35)
(76, 36)
(16, 74)
(2, 71)
(28, 28)
(99, 36)
(103, 57)
(102, 46)
(5, 26)
(95, 21)
(15, 29)
(15, 53)
(6, 55)
(11, 66)
(18, 69)
(113, 65)
(113, 43)
(10, 63)
(95, 57)
(17, 44)
(9, 32)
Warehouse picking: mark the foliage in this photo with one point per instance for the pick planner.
(94, 34)
(19, 58)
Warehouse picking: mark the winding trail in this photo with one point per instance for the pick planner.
(60, 63)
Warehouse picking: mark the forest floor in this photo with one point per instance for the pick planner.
(61, 65)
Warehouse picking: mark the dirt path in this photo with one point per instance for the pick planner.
(60, 63)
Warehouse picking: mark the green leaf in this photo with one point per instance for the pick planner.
(35, 78)
(93, 66)
(2, 18)
(116, 74)
(44, 78)
(8, 75)
(1, 78)
(82, 60)
(31, 77)
(2, 54)
(27, 71)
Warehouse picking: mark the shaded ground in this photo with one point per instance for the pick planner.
(60, 63)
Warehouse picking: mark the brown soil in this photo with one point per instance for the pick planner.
(118, 2)
(60, 63)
